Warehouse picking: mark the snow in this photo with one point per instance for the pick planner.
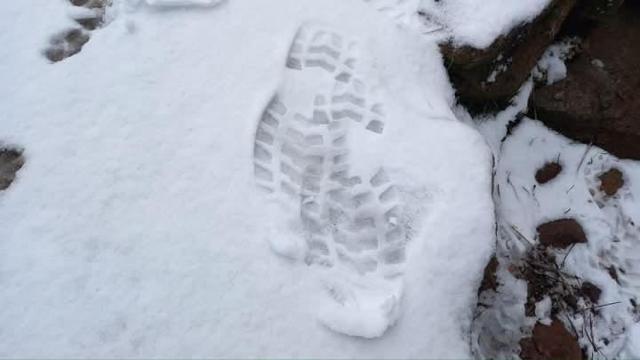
(633, 348)
(479, 23)
(136, 229)
(551, 67)
(608, 222)
(522, 204)
(183, 3)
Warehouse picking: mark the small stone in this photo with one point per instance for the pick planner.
(561, 233)
(611, 181)
(548, 172)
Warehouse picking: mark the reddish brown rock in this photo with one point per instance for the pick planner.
(11, 160)
(548, 172)
(599, 102)
(561, 233)
(513, 55)
(611, 181)
(550, 342)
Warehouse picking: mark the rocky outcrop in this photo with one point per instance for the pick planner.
(493, 75)
(597, 102)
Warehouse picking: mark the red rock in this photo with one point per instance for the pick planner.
(611, 181)
(599, 103)
(548, 172)
(561, 233)
(516, 53)
(550, 342)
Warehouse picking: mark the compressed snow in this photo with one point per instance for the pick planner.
(479, 23)
(136, 228)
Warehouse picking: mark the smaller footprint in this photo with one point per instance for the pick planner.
(70, 42)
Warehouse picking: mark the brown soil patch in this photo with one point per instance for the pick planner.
(548, 172)
(561, 233)
(550, 342)
(611, 181)
(11, 160)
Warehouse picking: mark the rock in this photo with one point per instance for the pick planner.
(561, 233)
(11, 160)
(550, 342)
(548, 172)
(598, 9)
(494, 74)
(599, 103)
(611, 181)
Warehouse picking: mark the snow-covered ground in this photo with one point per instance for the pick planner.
(249, 178)
(609, 260)
(140, 224)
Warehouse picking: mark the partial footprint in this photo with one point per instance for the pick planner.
(408, 14)
(90, 15)
(352, 225)
(402, 11)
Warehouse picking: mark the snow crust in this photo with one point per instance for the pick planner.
(135, 228)
(479, 23)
